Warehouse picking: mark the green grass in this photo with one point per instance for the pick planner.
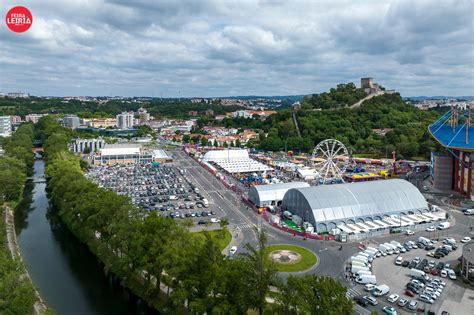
(217, 236)
(308, 258)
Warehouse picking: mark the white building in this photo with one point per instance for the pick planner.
(5, 126)
(18, 95)
(125, 120)
(34, 118)
(78, 145)
(71, 121)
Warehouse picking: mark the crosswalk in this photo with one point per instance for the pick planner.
(351, 293)
(244, 226)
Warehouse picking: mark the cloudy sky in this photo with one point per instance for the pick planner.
(222, 48)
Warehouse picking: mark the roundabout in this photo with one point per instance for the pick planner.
(290, 258)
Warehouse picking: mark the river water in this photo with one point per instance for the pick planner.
(68, 276)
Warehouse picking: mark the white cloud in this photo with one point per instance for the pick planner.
(205, 48)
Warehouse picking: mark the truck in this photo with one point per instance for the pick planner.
(381, 290)
(365, 279)
(424, 241)
(391, 247)
(443, 226)
(416, 273)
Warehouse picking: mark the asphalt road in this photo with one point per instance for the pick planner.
(330, 258)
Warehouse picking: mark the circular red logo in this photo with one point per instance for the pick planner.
(19, 19)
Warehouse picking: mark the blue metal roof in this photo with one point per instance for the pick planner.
(453, 138)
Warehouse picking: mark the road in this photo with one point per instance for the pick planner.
(331, 259)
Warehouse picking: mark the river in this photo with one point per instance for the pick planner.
(68, 276)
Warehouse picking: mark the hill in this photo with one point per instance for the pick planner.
(405, 126)
(345, 94)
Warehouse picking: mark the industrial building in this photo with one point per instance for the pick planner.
(272, 195)
(328, 206)
(129, 154)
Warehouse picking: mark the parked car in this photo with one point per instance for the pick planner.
(443, 273)
(430, 229)
(409, 232)
(361, 301)
(465, 239)
(371, 300)
(405, 263)
(393, 298)
(412, 305)
(233, 250)
(402, 302)
(389, 310)
(409, 293)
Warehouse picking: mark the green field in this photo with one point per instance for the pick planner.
(308, 259)
(217, 236)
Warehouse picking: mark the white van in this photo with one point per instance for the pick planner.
(424, 241)
(443, 226)
(369, 287)
(355, 269)
(381, 290)
(360, 264)
(363, 272)
(469, 211)
(360, 258)
(366, 279)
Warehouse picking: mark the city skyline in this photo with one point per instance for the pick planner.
(214, 49)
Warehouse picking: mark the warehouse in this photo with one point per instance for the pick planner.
(129, 154)
(327, 206)
(271, 195)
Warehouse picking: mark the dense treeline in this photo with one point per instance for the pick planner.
(17, 162)
(172, 108)
(408, 134)
(17, 295)
(145, 250)
(341, 96)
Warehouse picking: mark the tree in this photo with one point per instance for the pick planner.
(186, 138)
(262, 272)
(237, 143)
(311, 294)
(223, 224)
(204, 141)
(225, 145)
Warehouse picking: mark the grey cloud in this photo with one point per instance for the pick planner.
(207, 48)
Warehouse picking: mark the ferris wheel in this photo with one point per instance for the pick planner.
(330, 159)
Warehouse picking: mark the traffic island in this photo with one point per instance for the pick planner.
(290, 258)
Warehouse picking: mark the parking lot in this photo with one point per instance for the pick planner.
(162, 188)
(450, 297)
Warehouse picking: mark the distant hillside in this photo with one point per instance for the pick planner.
(293, 98)
(341, 96)
(441, 97)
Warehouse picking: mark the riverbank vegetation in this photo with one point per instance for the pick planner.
(17, 294)
(144, 249)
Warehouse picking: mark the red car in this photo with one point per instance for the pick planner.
(409, 293)
(435, 272)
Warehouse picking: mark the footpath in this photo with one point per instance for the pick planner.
(39, 306)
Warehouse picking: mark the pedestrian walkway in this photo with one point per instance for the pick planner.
(244, 226)
(352, 293)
